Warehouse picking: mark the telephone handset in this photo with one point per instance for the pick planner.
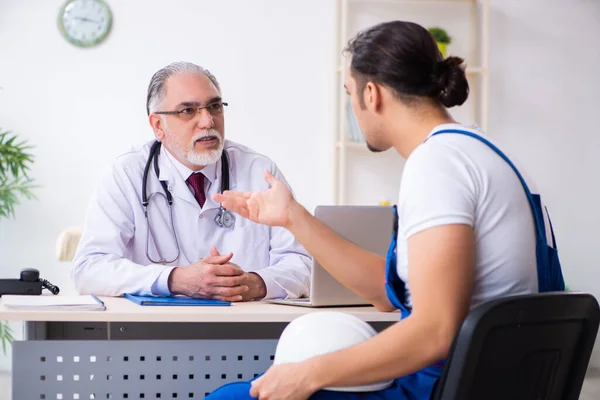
(29, 283)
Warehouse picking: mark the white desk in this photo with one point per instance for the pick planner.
(150, 352)
(119, 309)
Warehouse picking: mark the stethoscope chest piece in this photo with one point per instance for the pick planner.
(225, 218)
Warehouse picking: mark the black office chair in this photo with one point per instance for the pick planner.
(522, 347)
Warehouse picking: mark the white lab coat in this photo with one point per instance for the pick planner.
(111, 257)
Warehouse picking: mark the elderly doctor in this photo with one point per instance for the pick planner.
(152, 226)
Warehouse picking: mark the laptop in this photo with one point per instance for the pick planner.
(369, 227)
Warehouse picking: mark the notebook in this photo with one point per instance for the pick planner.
(173, 301)
(52, 302)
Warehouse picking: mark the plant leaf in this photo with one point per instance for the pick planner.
(6, 335)
(15, 162)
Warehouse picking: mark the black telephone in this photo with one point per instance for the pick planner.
(28, 283)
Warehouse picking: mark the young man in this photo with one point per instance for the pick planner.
(465, 229)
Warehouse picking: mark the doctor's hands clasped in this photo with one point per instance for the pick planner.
(212, 277)
(257, 289)
(215, 277)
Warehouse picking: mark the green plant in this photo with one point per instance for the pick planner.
(14, 183)
(440, 35)
(6, 335)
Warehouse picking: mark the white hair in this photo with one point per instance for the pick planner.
(156, 88)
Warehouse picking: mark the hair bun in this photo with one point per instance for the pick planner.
(450, 82)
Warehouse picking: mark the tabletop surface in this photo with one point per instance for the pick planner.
(119, 309)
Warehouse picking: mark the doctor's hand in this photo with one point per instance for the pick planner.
(257, 289)
(213, 277)
(270, 207)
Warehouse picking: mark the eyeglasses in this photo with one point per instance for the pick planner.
(190, 112)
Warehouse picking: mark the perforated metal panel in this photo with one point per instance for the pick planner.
(134, 369)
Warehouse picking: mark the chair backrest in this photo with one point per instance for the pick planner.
(67, 242)
(522, 347)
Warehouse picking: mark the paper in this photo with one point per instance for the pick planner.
(51, 302)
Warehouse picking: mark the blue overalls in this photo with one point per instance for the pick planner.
(419, 385)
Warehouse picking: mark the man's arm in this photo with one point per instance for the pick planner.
(442, 261)
(437, 209)
(289, 273)
(441, 280)
(361, 271)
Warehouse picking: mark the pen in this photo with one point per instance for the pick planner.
(97, 299)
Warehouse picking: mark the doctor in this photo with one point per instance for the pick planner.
(152, 226)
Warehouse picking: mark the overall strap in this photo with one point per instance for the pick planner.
(394, 286)
(550, 276)
(539, 222)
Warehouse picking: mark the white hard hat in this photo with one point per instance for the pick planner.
(324, 332)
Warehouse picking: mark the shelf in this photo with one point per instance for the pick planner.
(354, 163)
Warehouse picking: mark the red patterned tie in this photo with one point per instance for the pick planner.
(197, 182)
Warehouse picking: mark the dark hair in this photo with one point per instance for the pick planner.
(405, 57)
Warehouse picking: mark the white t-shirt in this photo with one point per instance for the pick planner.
(457, 179)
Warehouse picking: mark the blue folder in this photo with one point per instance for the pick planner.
(173, 301)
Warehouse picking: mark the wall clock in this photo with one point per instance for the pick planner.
(85, 23)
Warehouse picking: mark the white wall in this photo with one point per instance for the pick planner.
(81, 107)
(275, 61)
(545, 109)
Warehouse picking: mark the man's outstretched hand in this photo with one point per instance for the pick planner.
(270, 207)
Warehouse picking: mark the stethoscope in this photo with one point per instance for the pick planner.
(223, 219)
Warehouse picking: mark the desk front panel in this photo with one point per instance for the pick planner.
(134, 369)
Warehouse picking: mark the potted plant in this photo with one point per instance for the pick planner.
(442, 38)
(14, 184)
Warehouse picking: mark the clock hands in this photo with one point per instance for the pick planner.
(84, 19)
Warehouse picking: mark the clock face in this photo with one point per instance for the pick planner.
(85, 23)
